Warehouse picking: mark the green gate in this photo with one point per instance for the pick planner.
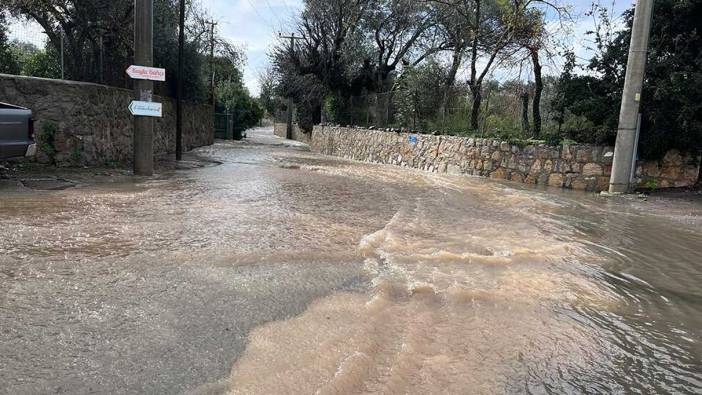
(223, 126)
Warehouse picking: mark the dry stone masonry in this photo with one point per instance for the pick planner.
(582, 167)
(281, 129)
(94, 126)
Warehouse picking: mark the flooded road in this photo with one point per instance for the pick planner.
(283, 271)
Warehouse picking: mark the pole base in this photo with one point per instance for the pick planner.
(619, 188)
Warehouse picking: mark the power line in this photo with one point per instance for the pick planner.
(263, 19)
(292, 39)
(275, 14)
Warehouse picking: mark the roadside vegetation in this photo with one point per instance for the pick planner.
(98, 46)
(489, 68)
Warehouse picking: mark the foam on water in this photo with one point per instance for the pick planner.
(284, 271)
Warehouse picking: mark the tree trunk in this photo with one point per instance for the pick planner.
(538, 89)
(525, 114)
(450, 80)
(486, 110)
(383, 100)
(475, 113)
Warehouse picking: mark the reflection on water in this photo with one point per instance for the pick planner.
(329, 276)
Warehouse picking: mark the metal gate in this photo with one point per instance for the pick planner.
(224, 126)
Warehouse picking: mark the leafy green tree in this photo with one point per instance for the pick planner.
(233, 97)
(416, 98)
(672, 97)
(671, 107)
(268, 89)
(44, 63)
(581, 98)
(166, 19)
(9, 63)
(98, 40)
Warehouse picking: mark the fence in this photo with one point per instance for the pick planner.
(31, 52)
(281, 114)
(92, 53)
(224, 126)
(501, 111)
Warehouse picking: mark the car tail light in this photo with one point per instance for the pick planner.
(30, 129)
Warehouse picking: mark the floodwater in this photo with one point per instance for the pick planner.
(283, 271)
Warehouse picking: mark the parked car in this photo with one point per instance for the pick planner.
(16, 132)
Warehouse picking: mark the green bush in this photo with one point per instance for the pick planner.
(670, 106)
(333, 108)
(45, 139)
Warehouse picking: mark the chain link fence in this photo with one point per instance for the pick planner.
(100, 57)
(29, 51)
(501, 111)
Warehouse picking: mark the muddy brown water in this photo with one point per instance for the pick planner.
(283, 271)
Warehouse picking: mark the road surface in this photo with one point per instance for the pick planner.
(272, 269)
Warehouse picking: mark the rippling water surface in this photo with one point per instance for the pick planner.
(282, 271)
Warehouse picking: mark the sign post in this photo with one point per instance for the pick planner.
(143, 86)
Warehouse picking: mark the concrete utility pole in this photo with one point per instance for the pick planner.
(179, 104)
(288, 132)
(624, 151)
(143, 56)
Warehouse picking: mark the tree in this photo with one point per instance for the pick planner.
(524, 96)
(9, 63)
(533, 35)
(98, 39)
(403, 34)
(231, 94)
(417, 96)
(670, 105)
(354, 47)
(266, 97)
(42, 63)
(94, 32)
(322, 60)
(490, 26)
(457, 39)
(234, 98)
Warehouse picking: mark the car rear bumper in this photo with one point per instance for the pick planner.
(31, 150)
(16, 148)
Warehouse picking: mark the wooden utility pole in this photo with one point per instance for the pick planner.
(143, 56)
(179, 104)
(212, 24)
(625, 148)
(289, 130)
(63, 73)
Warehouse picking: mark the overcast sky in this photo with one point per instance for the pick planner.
(255, 24)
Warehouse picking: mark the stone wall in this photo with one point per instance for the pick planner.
(94, 126)
(280, 130)
(583, 167)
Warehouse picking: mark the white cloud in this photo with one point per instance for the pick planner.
(256, 24)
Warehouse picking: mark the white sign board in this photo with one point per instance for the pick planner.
(146, 109)
(146, 73)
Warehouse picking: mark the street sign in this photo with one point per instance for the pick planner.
(146, 109)
(146, 73)
(412, 138)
